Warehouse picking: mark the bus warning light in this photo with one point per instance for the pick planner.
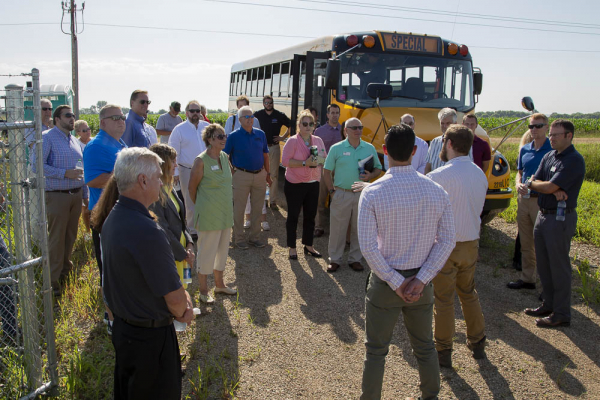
(452, 49)
(368, 41)
(464, 50)
(352, 40)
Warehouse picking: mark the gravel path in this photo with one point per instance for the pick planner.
(297, 332)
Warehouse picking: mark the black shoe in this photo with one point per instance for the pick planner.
(293, 256)
(315, 254)
(478, 349)
(520, 285)
(551, 322)
(445, 358)
(541, 311)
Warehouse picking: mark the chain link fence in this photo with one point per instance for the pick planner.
(27, 347)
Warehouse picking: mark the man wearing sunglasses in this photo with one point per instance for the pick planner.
(64, 192)
(271, 121)
(528, 162)
(186, 139)
(135, 133)
(46, 121)
(342, 163)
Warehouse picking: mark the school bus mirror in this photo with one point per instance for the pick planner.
(332, 73)
(527, 103)
(379, 91)
(477, 83)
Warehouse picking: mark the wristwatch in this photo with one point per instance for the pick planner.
(331, 191)
(528, 182)
(304, 163)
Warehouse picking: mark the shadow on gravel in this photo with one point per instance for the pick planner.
(584, 334)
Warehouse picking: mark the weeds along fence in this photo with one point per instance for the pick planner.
(27, 349)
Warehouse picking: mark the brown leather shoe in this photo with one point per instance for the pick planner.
(319, 232)
(551, 322)
(332, 267)
(356, 266)
(541, 311)
(445, 358)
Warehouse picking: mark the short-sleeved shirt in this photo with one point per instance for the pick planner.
(233, 123)
(481, 151)
(567, 171)
(99, 158)
(271, 124)
(247, 148)
(167, 122)
(343, 161)
(329, 135)
(135, 135)
(138, 263)
(530, 158)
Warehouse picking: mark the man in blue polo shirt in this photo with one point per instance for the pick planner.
(135, 133)
(99, 159)
(559, 178)
(249, 156)
(529, 160)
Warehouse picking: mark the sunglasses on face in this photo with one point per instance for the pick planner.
(47, 108)
(305, 124)
(194, 111)
(268, 103)
(116, 117)
(356, 128)
(247, 116)
(142, 102)
(220, 136)
(69, 115)
(538, 126)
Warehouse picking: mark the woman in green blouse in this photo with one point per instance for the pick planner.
(211, 192)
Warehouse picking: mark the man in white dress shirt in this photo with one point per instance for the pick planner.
(447, 117)
(186, 139)
(419, 160)
(466, 184)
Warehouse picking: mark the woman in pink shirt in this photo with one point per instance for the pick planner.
(302, 175)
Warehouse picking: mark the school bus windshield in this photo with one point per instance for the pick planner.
(417, 80)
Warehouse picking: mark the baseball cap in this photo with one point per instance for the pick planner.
(176, 106)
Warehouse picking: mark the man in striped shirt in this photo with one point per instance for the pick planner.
(466, 184)
(406, 233)
(447, 117)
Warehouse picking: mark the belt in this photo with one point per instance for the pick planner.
(343, 190)
(68, 191)
(249, 171)
(546, 211)
(149, 323)
(407, 273)
(533, 195)
(183, 166)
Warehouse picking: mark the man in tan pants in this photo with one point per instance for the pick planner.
(466, 184)
(530, 157)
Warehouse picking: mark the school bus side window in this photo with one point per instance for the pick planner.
(276, 76)
(285, 78)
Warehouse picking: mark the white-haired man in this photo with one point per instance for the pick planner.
(249, 156)
(447, 117)
(186, 139)
(141, 285)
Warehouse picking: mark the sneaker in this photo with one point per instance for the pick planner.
(242, 245)
(246, 224)
(478, 349)
(109, 327)
(225, 290)
(206, 298)
(265, 226)
(257, 243)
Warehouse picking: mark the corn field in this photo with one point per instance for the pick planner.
(583, 126)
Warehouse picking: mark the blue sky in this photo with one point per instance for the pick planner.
(182, 65)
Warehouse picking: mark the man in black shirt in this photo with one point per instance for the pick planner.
(271, 122)
(141, 285)
(558, 178)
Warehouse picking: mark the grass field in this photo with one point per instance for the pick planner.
(584, 127)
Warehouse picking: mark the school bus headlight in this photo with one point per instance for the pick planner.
(464, 50)
(452, 48)
(351, 40)
(500, 165)
(368, 41)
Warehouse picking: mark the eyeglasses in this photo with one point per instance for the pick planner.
(268, 103)
(355, 128)
(538, 126)
(305, 124)
(116, 117)
(553, 135)
(69, 115)
(194, 111)
(220, 136)
(47, 108)
(142, 102)
(247, 116)
(85, 130)
(409, 123)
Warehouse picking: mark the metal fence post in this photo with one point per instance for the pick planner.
(18, 165)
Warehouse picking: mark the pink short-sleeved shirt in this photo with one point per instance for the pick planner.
(296, 149)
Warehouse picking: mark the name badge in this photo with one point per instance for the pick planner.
(346, 153)
(215, 168)
(553, 169)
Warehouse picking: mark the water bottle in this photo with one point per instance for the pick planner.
(267, 196)
(528, 195)
(79, 167)
(187, 274)
(561, 210)
(180, 326)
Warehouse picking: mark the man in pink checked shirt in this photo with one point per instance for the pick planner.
(406, 233)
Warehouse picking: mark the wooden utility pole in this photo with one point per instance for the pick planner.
(72, 10)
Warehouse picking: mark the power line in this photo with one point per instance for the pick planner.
(396, 17)
(451, 14)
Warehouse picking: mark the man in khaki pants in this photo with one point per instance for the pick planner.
(249, 157)
(529, 160)
(466, 184)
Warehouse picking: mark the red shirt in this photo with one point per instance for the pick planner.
(481, 151)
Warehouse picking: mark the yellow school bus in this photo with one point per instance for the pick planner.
(426, 74)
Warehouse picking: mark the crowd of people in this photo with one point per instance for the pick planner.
(169, 200)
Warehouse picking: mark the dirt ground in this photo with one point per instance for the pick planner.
(297, 332)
